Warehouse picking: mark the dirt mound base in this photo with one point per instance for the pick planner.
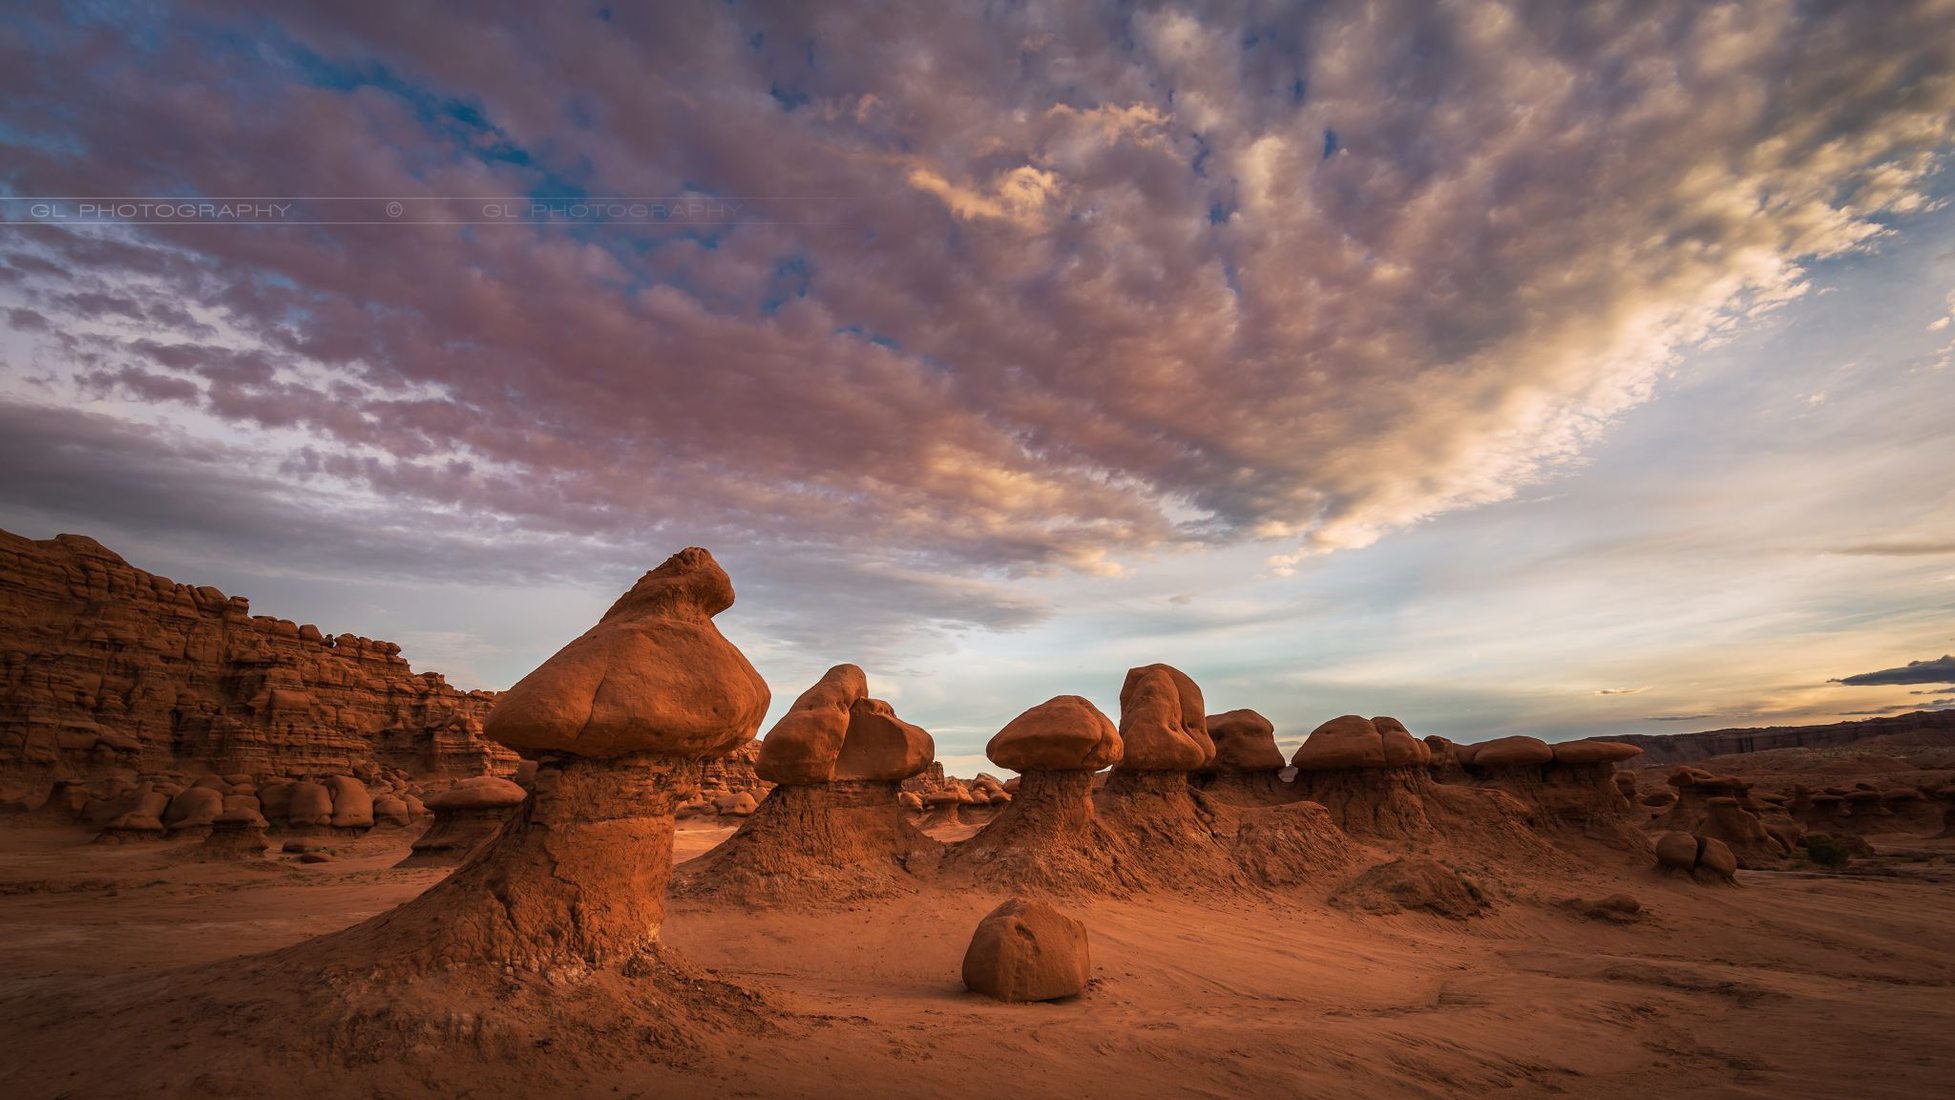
(1413, 883)
(818, 842)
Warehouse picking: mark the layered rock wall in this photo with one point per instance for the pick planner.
(105, 668)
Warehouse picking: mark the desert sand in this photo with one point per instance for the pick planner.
(1788, 984)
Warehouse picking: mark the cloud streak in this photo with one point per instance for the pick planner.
(1941, 670)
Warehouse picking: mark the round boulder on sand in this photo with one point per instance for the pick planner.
(1028, 951)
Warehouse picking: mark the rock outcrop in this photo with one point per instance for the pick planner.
(1247, 767)
(107, 670)
(1570, 788)
(1375, 779)
(1707, 859)
(617, 722)
(466, 816)
(1028, 951)
(1147, 802)
(1050, 836)
(1665, 750)
(831, 828)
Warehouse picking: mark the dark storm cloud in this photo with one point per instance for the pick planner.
(1938, 671)
(72, 470)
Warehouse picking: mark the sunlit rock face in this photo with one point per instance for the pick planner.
(106, 669)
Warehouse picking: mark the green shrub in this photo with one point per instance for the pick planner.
(1827, 851)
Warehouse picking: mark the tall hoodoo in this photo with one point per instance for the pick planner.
(1147, 802)
(1048, 835)
(832, 827)
(615, 721)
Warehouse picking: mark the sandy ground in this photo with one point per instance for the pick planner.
(1790, 984)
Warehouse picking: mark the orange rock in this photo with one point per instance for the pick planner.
(1594, 752)
(1028, 951)
(1064, 733)
(1347, 741)
(653, 676)
(803, 746)
(1244, 742)
(1160, 729)
(1512, 751)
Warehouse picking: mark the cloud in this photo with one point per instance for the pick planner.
(1678, 717)
(1938, 671)
(1620, 691)
(1079, 284)
(1900, 548)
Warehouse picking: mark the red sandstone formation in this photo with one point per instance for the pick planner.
(110, 672)
(1147, 802)
(1664, 750)
(831, 829)
(1028, 951)
(617, 720)
(1570, 788)
(1706, 859)
(466, 816)
(1248, 766)
(1049, 836)
(1374, 778)
(1415, 882)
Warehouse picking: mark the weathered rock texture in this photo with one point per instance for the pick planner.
(466, 816)
(1374, 777)
(617, 721)
(1028, 951)
(1247, 766)
(831, 828)
(1049, 836)
(1570, 788)
(106, 669)
(1147, 801)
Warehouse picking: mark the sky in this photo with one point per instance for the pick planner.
(1504, 367)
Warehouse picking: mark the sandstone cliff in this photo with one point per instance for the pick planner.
(107, 669)
(1662, 750)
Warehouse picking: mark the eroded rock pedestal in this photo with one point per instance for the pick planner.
(1049, 836)
(562, 909)
(831, 828)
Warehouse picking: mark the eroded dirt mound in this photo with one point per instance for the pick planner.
(1417, 883)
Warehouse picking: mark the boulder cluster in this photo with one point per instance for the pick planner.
(175, 805)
